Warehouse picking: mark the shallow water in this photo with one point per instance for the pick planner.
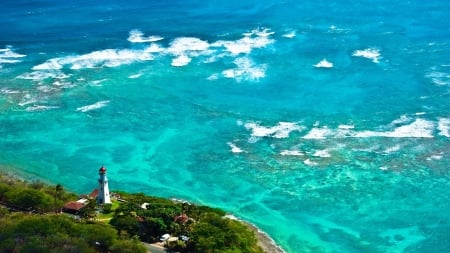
(224, 104)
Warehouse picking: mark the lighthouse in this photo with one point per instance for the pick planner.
(103, 189)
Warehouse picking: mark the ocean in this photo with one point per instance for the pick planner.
(324, 123)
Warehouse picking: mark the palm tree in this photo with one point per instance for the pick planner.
(58, 190)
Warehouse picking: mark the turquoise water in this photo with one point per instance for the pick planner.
(324, 123)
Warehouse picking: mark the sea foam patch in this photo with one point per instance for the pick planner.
(245, 70)
(404, 127)
(97, 59)
(8, 91)
(186, 45)
(27, 99)
(281, 130)
(234, 149)
(184, 48)
(444, 127)
(180, 61)
(318, 133)
(40, 75)
(290, 34)
(419, 128)
(94, 106)
(369, 53)
(323, 64)
(325, 153)
(9, 56)
(258, 38)
(291, 153)
(439, 78)
(137, 36)
(35, 108)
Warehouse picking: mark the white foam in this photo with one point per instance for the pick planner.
(180, 61)
(42, 75)
(322, 153)
(310, 163)
(46, 89)
(134, 76)
(291, 153)
(402, 120)
(8, 91)
(95, 106)
(98, 82)
(49, 64)
(230, 216)
(335, 30)
(213, 77)
(281, 130)
(420, 128)
(369, 53)
(27, 99)
(9, 56)
(234, 149)
(3, 60)
(154, 48)
(136, 36)
(35, 108)
(444, 127)
(323, 64)
(404, 127)
(290, 34)
(187, 45)
(438, 156)
(392, 149)
(258, 38)
(262, 32)
(97, 59)
(346, 127)
(439, 78)
(245, 70)
(318, 133)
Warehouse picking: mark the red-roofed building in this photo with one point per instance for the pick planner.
(73, 207)
(93, 194)
(181, 219)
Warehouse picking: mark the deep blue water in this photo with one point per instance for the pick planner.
(325, 123)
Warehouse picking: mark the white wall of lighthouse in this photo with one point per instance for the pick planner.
(103, 196)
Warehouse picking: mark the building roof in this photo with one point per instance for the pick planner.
(93, 194)
(74, 206)
(183, 218)
(102, 169)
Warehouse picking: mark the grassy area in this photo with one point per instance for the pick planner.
(106, 217)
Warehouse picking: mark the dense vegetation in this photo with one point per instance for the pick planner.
(59, 233)
(34, 196)
(33, 231)
(207, 229)
(135, 218)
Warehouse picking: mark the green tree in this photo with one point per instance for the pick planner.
(29, 198)
(126, 223)
(128, 246)
(58, 190)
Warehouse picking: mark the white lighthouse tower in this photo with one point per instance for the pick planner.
(103, 189)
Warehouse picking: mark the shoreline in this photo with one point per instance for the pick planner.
(267, 244)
